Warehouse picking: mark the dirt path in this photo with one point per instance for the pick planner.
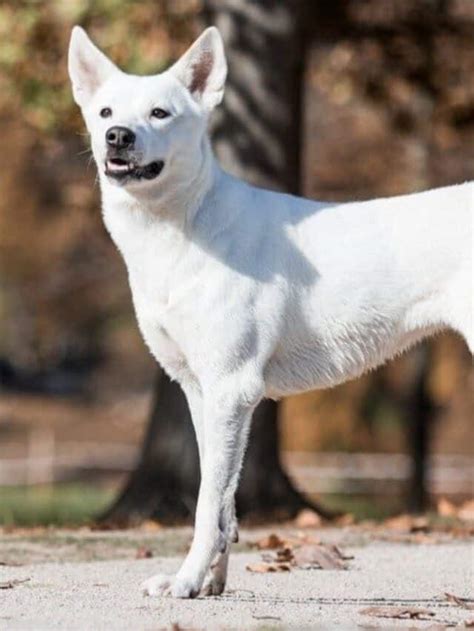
(81, 590)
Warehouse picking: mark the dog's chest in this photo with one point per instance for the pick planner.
(160, 319)
(154, 258)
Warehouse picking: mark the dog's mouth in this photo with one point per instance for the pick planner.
(121, 169)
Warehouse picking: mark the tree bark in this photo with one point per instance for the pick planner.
(420, 414)
(257, 135)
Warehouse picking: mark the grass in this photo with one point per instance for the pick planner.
(364, 506)
(76, 504)
(59, 505)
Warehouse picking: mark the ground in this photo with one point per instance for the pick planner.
(85, 580)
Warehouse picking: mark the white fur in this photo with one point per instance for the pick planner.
(242, 293)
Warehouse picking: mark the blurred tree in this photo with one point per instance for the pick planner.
(257, 134)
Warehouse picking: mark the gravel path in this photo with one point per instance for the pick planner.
(105, 594)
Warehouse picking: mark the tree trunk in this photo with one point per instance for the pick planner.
(257, 135)
(257, 131)
(420, 413)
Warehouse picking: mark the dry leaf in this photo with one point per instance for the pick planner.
(274, 541)
(304, 552)
(149, 525)
(446, 508)
(345, 520)
(284, 555)
(13, 583)
(401, 613)
(407, 523)
(308, 518)
(461, 602)
(324, 557)
(263, 568)
(143, 553)
(466, 511)
(306, 556)
(469, 623)
(271, 542)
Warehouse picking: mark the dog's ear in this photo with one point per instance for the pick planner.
(203, 69)
(88, 66)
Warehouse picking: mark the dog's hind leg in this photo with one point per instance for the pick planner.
(460, 306)
(215, 581)
(228, 524)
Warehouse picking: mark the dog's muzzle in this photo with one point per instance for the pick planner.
(120, 163)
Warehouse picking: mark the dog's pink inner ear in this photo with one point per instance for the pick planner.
(90, 74)
(202, 69)
(200, 72)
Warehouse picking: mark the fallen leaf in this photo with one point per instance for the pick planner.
(149, 525)
(408, 523)
(401, 613)
(347, 519)
(445, 508)
(271, 542)
(284, 555)
(308, 518)
(324, 557)
(469, 623)
(460, 602)
(13, 583)
(143, 553)
(466, 511)
(306, 556)
(263, 568)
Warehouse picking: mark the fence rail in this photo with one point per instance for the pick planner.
(47, 462)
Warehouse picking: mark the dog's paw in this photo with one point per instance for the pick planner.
(184, 588)
(214, 585)
(157, 585)
(168, 585)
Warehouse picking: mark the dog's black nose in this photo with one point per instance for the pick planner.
(119, 137)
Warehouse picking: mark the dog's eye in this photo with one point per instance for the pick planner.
(106, 112)
(157, 112)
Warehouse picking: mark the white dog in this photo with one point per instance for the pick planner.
(243, 293)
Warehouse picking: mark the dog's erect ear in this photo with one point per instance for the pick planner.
(88, 66)
(203, 69)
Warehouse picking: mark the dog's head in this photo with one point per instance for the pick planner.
(145, 129)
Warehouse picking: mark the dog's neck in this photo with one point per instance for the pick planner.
(175, 201)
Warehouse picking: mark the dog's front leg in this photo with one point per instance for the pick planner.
(227, 415)
(160, 584)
